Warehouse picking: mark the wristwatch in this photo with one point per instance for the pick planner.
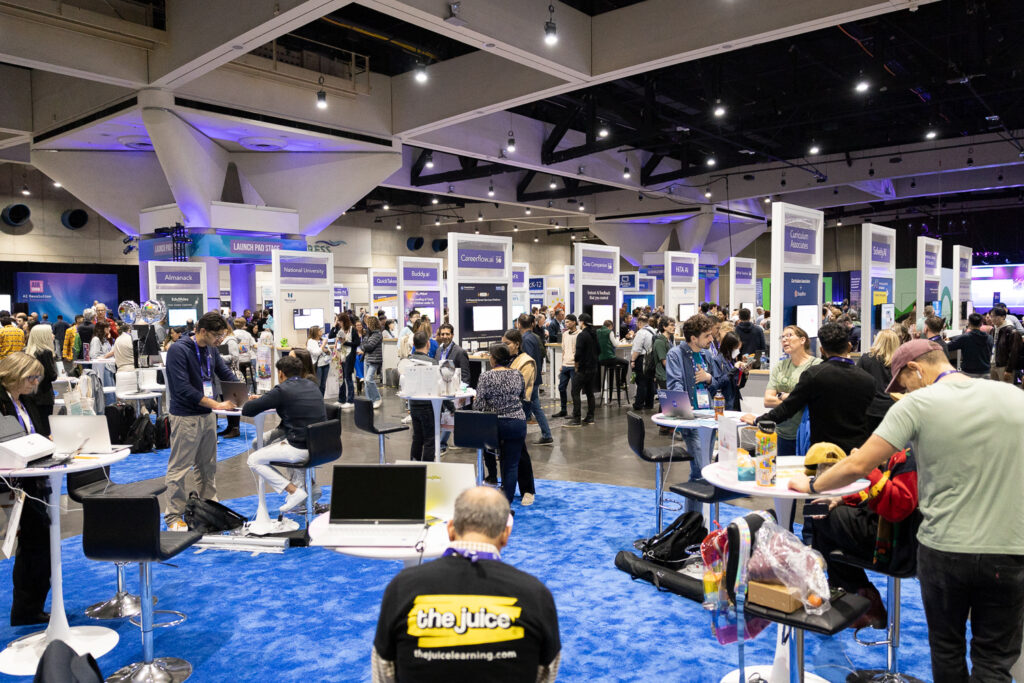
(810, 484)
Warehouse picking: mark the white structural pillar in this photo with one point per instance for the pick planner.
(929, 273)
(877, 281)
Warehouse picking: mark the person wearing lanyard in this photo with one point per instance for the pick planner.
(447, 349)
(836, 393)
(502, 620)
(933, 327)
(20, 375)
(191, 367)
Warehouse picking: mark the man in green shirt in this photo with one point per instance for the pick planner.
(966, 437)
(607, 341)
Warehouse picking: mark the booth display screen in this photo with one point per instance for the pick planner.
(487, 318)
(305, 318)
(807, 319)
(937, 307)
(637, 303)
(517, 310)
(176, 317)
(483, 312)
(885, 316)
(430, 312)
(5, 302)
(687, 311)
(601, 312)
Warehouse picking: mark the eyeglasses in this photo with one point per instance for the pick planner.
(34, 378)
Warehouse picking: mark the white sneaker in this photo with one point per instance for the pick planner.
(527, 499)
(294, 499)
(407, 419)
(348, 406)
(377, 403)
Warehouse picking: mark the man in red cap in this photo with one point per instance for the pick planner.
(965, 434)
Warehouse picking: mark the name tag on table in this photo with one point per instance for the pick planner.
(208, 389)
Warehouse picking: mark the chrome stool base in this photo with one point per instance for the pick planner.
(137, 619)
(160, 670)
(122, 605)
(879, 676)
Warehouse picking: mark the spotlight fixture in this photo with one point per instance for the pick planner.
(24, 190)
(862, 86)
(536, 239)
(551, 183)
(378, 219)
(129, 249)
(386, 206)
(430, 160)
(421, 73)
(930, 135)
(707, 193)
(127, 240)
(814, 150)
(711, 162)
(580, 207)
(1000, 177)
(970, 162)
(433, 200)
(839, 222)
(625, 172)
(321, 95)
(480, 215)
(913, 183)
(477, 231)
(550, 30)
(56, 183)
(451, 189)
(572, 237)
(767, 200)
(510, 147)
(719, 110)
(550, 204)
(602, 130)
(437, 220)
(490, 190)
(529, 211)
(398, 225)
(515, 228)
(639, 196)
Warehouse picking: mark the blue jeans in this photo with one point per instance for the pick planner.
(565, 376)
(346, 388)
(370, 372)
(511, 436)
(532, 407)
(691, 439)
(321, 372)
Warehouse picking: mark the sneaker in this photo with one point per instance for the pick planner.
(493, 480)
(377, 403)
(405, 420)
(294, 499)
(177, 526)
(572, 422)
(348, 406)
(531, 421)
(544, 441)
(233, 434)
(560, 413)
(588, 420)
(527, 499)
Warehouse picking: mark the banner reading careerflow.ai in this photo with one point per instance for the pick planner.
(482, 258)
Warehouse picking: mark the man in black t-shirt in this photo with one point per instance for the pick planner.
(467, 616)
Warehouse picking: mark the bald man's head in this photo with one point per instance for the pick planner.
(482, 510)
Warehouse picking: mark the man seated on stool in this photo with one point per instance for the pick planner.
(467, 616)
(299, 403)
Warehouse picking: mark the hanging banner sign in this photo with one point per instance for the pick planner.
(709, 272)
(536, 284)
(385, 282)
(879, 252)
(657, 272)
(419, 274)
(799, 240)
(482, 258)
(930, 260)
(627, 280)
(744, 275)
(598, 265)
(682, 269)
(519, 278)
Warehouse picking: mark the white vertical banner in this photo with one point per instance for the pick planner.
(420, 287)
(877, 282)
(519, 294)
(928, 288)
(181, 286)
(479, 277)
(682, 284)
(597, 282)
(742, 283)
(383, 291)
(303, 294)
(963, 263)
(796, 272)
(569, 289)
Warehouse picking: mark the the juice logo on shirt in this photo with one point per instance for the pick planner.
(454, 620)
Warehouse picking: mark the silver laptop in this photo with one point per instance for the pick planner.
(236, 392)
(675, 404)
(445, 481)
(377, 506)
(86, 432)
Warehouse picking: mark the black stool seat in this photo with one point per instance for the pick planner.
(97, 483)
(323, 445)
(173, 542)
(854, 561)
(703, 492)
(390, 428)
(476, 430)
(675, 453)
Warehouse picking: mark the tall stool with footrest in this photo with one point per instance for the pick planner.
(97, 482)
(364, 420)
(610, 378)
(476, 430)
(705, 494)
(323, 443)
(658, 455)
(127, 529)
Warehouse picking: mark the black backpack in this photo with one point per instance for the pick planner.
(676, 542)
(141, 436)
(162, 432)
(209, 516)
(120, 420)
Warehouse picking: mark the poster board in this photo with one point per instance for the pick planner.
(796, 271)
(597, 282)
(877, 280)
(479, 277)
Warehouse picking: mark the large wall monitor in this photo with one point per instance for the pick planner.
(487, 318)
(687, 311)
(305, 318)
(601, 312)
(749, 307)
(176, 317)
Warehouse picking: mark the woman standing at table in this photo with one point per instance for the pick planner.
(784, 376)
(320, 353)
(345, 341)
(527, 367)
(502, 390)
(40, 347)
(20, 375)
(373, 358)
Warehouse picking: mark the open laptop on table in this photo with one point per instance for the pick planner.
(676, 404)
(377, 506)
(236, 392)
(81, 434)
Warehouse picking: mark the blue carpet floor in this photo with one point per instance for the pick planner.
(310, 614)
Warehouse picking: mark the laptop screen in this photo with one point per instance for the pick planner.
(364, 494)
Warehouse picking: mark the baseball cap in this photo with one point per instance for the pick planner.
(585, 318)
(912, 350)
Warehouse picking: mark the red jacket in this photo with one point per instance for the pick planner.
(893, 491)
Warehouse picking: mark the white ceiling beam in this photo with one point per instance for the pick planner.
(205, 35)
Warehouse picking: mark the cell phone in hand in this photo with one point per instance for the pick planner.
(815, 509)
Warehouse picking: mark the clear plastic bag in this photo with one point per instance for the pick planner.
(780, 557)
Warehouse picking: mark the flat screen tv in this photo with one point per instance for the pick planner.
(807, 319)
(487, 319)
(305, 318)
(176, 317)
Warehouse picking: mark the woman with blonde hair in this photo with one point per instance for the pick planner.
(876, 362)
(20, 375)
(783, 379)
(40, 347)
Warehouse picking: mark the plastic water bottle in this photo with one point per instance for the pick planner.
(767, 447)
(719, 404)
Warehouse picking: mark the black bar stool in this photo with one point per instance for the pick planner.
(705, 494)
(127, 529)
(658, 455)
(97, 482)
(610, 373)
(476, 430)
(363, 415)
(323, 443)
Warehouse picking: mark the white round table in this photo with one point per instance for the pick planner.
(436, 402)
(705, 426)
(434, 544)
(21, 657)
(724, 476)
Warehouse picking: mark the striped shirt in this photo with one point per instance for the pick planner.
(12, 340)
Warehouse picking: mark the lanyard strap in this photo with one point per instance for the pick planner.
(943, 374)
(840, 359)
(209, 371)
(472, 555)
(23, 418)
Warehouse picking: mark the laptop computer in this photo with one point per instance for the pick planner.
(88, 432)
(445, 481)
(676, 404)
(377, 506)
(236, 392)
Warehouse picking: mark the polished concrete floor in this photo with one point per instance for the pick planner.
(596, 453)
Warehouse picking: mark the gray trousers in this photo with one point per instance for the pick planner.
(193, 445)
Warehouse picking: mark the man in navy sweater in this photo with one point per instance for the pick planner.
(191, 366)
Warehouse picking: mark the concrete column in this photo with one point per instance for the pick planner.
(243, 286)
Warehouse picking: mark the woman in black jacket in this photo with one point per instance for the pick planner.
(20, 375)
(876, 362)
(40, 347)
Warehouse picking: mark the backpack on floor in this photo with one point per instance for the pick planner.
(209, 516)
(162, 432)
(676, 542)
(142, 435)
(120, 418)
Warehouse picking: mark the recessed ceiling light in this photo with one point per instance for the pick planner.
(602, 131)
(767, 200)
(814, 149)
(25, 191)
(480, 215)
(580, 207)
(625, 172)
(862, 86)
(433, 200)
(711, 161)
(398, 225)
(386, 206)
(707, 193)
(719, 110)
(56, 183)
(437, 221)
(421, 74)
(536, 239)
(528, 211)
(930, 135)
(551, 183)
